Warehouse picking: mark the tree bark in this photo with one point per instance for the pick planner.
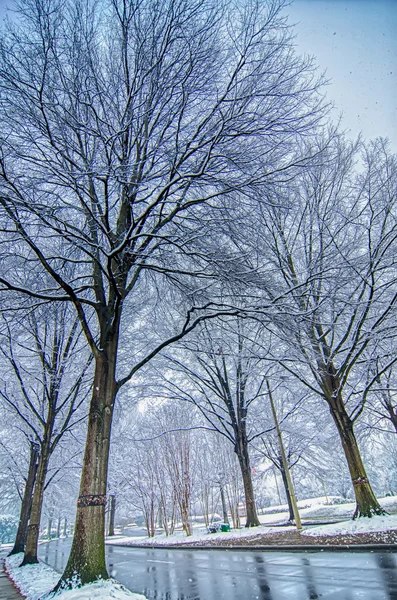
(87, 555)
(224, 507)
(285, 483)
(393, 416)
(367, 504)
(112, 513)
(20, 540)
(245, 466)
(241, 450)
(30, 556)
(49, 528)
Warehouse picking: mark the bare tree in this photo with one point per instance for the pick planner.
(220, 373)
(121, 122)
(44, 390)
(331, 256)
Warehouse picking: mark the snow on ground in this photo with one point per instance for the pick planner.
(36, 581)
(362, 525)
(199, 535)
(311, 509)
(322, 509)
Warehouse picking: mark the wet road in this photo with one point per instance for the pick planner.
(235, 575)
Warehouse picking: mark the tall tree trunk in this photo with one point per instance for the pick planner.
(224, 507)
(49, 528)
(112, 513)
(32, 540)
(65, 528)
(152, 518)
(59, 528)
(87, 555)
(20, 540)
(173, 515)
(245, 466)
(367, 504)
(285, 483)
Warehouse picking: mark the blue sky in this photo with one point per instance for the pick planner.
(354, 41)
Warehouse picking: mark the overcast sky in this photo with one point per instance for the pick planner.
(355, 42)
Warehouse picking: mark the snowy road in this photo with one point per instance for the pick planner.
(235, 575)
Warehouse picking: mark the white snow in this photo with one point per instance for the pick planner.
(323, 508)
(319, 509)
(200, 535)
(36, 581)
(362, 525)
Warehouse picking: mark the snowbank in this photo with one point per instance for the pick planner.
(36, 581)
(362, 525)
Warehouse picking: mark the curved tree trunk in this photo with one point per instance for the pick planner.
(87, 555)
(20, 540)
(367, 504)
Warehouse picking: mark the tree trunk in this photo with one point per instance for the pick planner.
(152, 518)
(32, 540)
(49, 529)
(366, 503)
(87, 555)
(65, 528)
(393, 416)
(59, 528)
(112, 513)
(224, 507)
(285, 483)
(245, 466)
(20, 540)
(172, 523)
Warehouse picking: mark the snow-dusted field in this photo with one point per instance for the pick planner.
(35, 581)
(363, 525)
(348, 527)
(318, 509)
(312, 509)
(200, 534)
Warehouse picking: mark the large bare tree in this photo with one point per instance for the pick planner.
(327, 259)
(122, 121)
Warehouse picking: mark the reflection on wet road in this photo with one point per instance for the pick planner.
(235, 575)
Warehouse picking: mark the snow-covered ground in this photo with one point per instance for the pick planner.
(317, 509)
(349, 527)
(322, 509)
(36, 581)
(363, 525)
(200, 534)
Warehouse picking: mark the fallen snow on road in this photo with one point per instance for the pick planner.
(362, 525)
(36, 582)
